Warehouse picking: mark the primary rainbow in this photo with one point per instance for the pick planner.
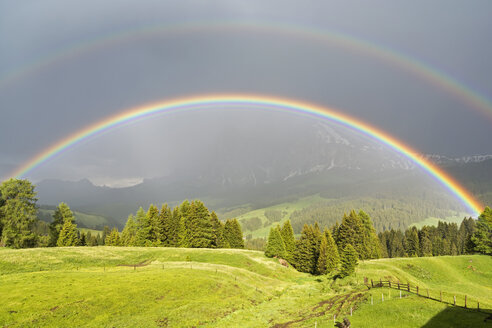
(271, 103)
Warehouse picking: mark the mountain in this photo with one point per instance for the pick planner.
(327, 160)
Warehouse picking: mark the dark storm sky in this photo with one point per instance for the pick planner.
(40, 105)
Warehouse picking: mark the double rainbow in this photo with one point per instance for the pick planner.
(251, 101)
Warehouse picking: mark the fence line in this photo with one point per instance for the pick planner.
(416, 290)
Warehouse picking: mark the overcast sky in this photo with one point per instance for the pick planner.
(40, 104)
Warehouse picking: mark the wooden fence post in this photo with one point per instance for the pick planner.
(389, 282)
(398, 285)
(478, 306)
(417, 290)
(454, 298)
(440, 296)
(380, 283)
(408, 286)
(427, 292)
(465, 301)
(372, 284)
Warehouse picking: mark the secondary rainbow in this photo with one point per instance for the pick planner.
(387, 55)
(250, 101)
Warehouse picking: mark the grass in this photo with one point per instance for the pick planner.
(88, 220)
(287, 208)
(431, 221)
(170, 287)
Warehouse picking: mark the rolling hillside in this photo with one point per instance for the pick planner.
(168, 287)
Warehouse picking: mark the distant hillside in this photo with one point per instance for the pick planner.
(83, 220)
(328, 161)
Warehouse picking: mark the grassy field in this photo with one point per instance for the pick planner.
(169, 287)
(285, 208)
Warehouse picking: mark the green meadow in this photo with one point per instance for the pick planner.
(170, 287)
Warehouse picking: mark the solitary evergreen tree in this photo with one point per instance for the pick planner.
(349, 261)
(68, 235)
(289, 240)
(275, 245)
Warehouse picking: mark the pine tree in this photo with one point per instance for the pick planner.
(68, 235)
(425, 242)
(174, 229)
(184, 228)
(370, 240)
(217, 231)
(275, 245)
(200, 232)
(289, 240)
(129, 233)
(351, 232)
(18, 213)
(332, 256)
(322, 263)
(106, 232)
(154, 237)
(83, 239)
(305, 258)
(113, 239)
(233, 233)
(165, 226)
(412, 242)
(143, 228)
(349, 261)
(61, 214)
(482, 238)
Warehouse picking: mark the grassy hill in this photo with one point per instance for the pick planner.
(83, 220)
(169, 287)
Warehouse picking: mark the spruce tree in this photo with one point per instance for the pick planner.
(289, 240)
(233, 233)
(351, 232)
(129, 233)
(174, 229)
(482, 238)
(166, 232)
(18, 213)
(184, 228)
(113, 239)
(275, 245)
(200, 232)
(332, 256)
(68, 235)
(142, 237)
(322, 263)
(412, 242)
(154, 237)
(425, 242)
(370, 242)
(305, 258)
(349, 261)
(61, 214)
(106, 232)
(83, 239)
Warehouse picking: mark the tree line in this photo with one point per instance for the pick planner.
(190, 224)
(338, 248)
(472, 236)
(322, 252)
